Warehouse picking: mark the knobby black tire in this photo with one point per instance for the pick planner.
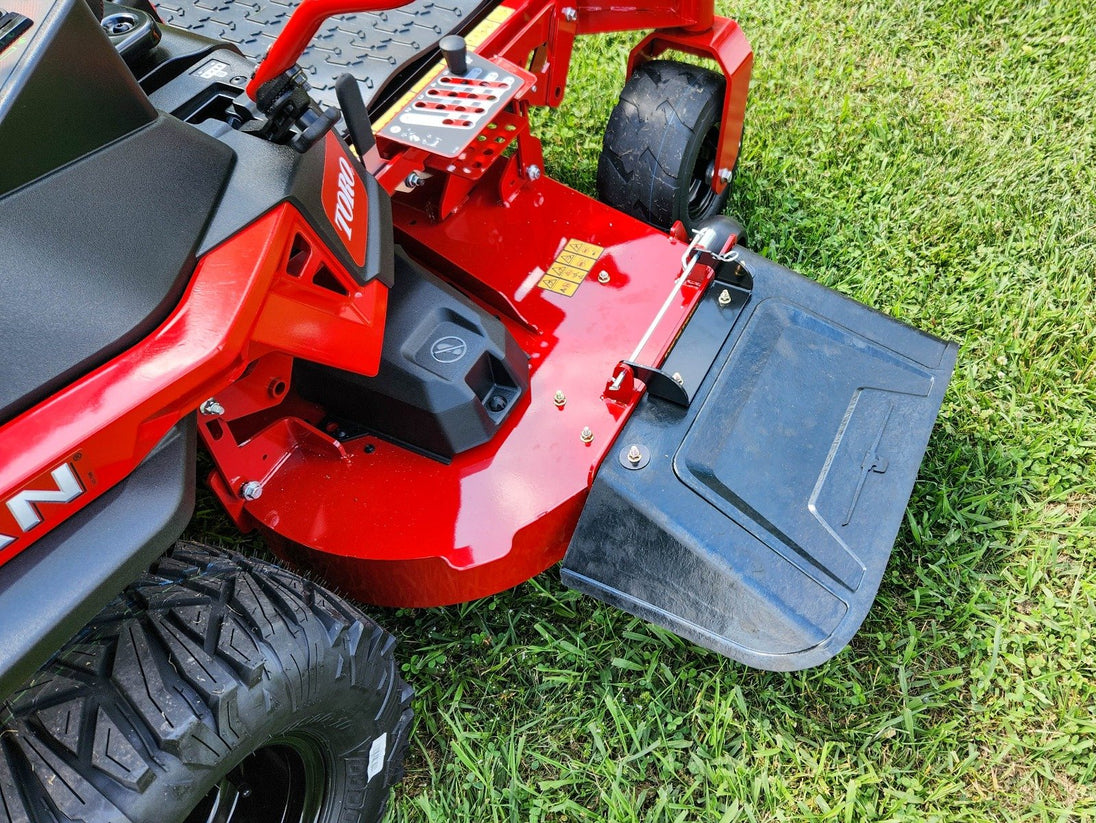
(207, 658)
(658, 143)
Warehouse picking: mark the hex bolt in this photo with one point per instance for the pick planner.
(724, 298)
(212, 408)
(586, 436)
(560, 399)
(414, 180)
(603, 277)
(496, 403)
(532, 172)
(678, 378)
(251, 490)
(570, 14)
(725, 175)
(634, 454)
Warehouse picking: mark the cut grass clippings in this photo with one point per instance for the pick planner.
(937, 161)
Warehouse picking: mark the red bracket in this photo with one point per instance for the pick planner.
(726, 44)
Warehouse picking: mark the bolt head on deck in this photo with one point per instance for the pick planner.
(251, 490)
(212, 408)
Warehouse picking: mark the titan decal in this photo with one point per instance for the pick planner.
(24, 505)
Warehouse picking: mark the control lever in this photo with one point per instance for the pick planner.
(299, 30)
(455, 52)
(355, 114)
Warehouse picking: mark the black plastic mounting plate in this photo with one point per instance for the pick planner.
(763, 521)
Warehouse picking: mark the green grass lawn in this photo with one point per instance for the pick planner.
(935, 159)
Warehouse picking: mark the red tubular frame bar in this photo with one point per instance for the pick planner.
(301, 28)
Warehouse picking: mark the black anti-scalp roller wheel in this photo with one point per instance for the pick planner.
(660, 147)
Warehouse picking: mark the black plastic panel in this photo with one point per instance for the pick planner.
(450, 374)
(762, 522)
(381, 50)
(53, 587)
(97, 254)
(55, 109)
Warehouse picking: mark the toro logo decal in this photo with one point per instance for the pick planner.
(61, 485)
(344, 199)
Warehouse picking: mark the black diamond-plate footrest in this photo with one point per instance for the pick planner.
(382, 50)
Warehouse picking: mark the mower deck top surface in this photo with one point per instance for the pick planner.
(385, 51)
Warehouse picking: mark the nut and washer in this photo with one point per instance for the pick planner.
(586, 435)
(725, 175)
(570, 14)
(724, 298)
(603, 277)
(532, 172)
(251, 490)
(212, 408)
(560, 398)
(634, 456)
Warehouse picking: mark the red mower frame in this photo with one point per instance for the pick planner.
(234, 356)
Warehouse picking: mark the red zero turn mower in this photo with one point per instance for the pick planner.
(423, 370)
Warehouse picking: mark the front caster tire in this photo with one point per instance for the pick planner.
(660, 146)
(215, 688)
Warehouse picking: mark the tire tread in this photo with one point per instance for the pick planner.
(639, 171)
(171, 672)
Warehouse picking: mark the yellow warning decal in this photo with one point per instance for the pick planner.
(570, 267)
(585, 249)
(558, 269)
(564, 287)
(475, 39)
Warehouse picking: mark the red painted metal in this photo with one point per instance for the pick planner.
(396, 528)
(243, 302)
(387, 525)
(299, 30)
(600, 17)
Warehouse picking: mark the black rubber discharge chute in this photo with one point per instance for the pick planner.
(757, 520)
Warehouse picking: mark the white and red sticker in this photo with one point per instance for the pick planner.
(344, 200)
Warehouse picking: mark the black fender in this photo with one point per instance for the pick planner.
(49, 591)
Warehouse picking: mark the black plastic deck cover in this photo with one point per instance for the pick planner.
(378, 49)
(97, 254)
(762, 524)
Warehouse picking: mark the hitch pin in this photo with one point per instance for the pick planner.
(697, 249)
(688, 261)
